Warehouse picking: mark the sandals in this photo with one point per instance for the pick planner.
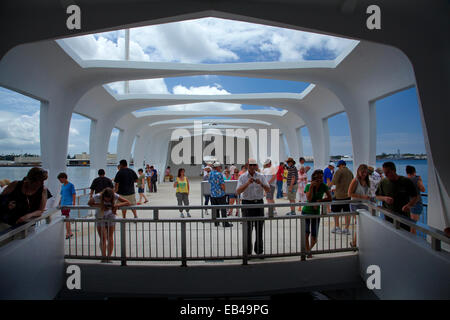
(69, 236)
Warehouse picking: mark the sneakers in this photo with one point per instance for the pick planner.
(181, 215)
(346, 231)
(290, 213)
(188, 214)
(336, 230)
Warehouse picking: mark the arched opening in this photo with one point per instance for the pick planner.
(19, 134)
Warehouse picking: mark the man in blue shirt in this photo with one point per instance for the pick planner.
(328, 174)
(68, 196)
(327, 178)
(218, 191)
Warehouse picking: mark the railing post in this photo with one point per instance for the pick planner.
(245, 242)
(123, 244)
(270, 212)
(396, 224)
(373, 211)
(302, 239)
(435, 244)
(155, 214)
(183, 244)
(214, 215)
(22, 235)
(78, 203)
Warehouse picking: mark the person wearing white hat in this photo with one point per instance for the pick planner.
(252, 185)
(218, 191)
(270, 174)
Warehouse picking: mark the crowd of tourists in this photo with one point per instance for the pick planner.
(21, 201)
(335, 183)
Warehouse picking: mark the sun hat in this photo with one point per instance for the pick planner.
(290, 159)
(267, 161)
(252, 161)
(216, 164)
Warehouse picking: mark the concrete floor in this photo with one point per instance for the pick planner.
(162, 240)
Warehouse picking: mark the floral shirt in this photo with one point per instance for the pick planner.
(216, 180)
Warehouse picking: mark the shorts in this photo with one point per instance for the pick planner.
(130, 197)
(417, 209)
(292, 195)
(141, 190)
(340, 207)
(312, 226)
(231, 196)
(107, 221)
(65, 213)
(269, 195)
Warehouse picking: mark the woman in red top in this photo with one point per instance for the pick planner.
(280, 172)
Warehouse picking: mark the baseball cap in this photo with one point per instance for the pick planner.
(332, 164)
(267, 161)
(341, 162)
(216, 164)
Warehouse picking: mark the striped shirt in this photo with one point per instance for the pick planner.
(292, 174)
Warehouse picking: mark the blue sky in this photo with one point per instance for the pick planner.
(217, 41)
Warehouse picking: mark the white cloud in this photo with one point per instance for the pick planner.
(202, 90)
(74, 132)
(155, 86)
(209, 40)
(203, 106)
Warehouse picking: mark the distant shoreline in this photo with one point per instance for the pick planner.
(15, 165)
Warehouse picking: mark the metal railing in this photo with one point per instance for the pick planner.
(190, 239)
(436, 236)
(21, 231)
(82, 196)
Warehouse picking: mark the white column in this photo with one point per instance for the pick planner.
(300, 142)
(292, 141)
(98, 146)
(362, 122)
(120, 146)
(92, 135)
(283, 151)
(125, 143)
(139, 152)
(320, 140)
(54, 135)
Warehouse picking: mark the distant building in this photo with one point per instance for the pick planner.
(28, 160)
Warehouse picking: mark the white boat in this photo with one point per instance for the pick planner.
(347, 158)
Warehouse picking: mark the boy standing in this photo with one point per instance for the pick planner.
(68, 196)
(141, 186)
